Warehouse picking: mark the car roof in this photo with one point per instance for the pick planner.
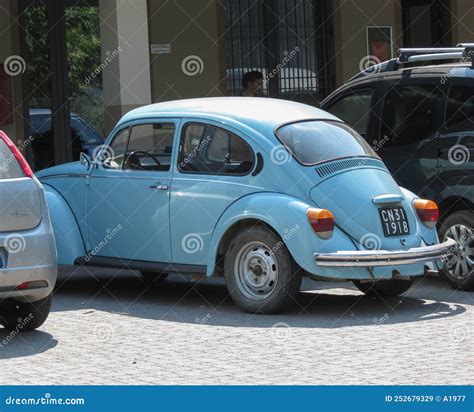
(451, 70)
(255, 112)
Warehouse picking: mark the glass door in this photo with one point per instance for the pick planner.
(63, 87)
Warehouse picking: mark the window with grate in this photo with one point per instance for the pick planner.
(289, 41)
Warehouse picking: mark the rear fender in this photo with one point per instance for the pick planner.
(286, 215)
(69, 242)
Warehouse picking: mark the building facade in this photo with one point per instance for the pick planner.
(71, 69)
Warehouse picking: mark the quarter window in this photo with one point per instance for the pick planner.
(355, 110)
(112, 157)
(213, 150)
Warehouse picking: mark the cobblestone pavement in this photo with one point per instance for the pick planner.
(107, 328)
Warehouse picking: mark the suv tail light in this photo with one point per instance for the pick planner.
(322, 222)
(18, 156)
(427, 212)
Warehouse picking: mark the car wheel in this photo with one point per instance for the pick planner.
(260, 273)
(25, 316)
(384, 288)
(153, 278)
(459, 264)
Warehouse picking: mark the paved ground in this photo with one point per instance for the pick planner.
(108, 329)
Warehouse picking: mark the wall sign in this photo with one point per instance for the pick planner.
(160, 48)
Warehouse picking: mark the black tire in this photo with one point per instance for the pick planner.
(384, 288)
(464, 278)
(25, 316)
(274, 280)
(151, 279)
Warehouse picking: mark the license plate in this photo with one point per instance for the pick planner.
(394, 221)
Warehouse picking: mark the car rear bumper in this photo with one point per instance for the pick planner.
(41, 280)
(28, 256)
(377, 258)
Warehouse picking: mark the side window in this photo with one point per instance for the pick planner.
(150, 147)
(460, 109)
(213, 150)
(112, 157)
(411, 115)
(354, 109)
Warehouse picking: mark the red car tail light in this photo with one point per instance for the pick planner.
(18, 156)
(427, 211)
(322, 222)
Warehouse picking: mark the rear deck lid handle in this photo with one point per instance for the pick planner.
(387, 198)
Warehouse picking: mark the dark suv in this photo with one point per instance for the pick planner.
(421, 122)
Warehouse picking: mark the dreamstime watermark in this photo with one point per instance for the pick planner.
(21, 145)
(459, 155)
(287, 235)
(110, 234)
(287, 57)
(281, 332)
(21, 324)
(382, 320)
(378, 144)
(14, 65)
(192, 243)
(192, 65)
(111, 55)
(465, 58)
(369, 65)
(279, 155)
(102, 154)
(47, 399)
(370, 241)
(103, 332)
(15, 243)
(459, 334)
(203, 320)
(193, 154)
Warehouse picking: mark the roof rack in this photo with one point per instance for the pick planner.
(464, 51)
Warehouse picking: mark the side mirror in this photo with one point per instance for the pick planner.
(85, 160)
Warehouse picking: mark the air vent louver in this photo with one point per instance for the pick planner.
(337, 166)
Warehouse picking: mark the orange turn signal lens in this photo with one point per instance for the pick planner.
(427, 211)
(322, 222)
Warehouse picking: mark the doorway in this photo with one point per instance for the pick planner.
(427, 23)
(64, 109)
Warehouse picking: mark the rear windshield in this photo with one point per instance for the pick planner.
(318, 141)
(9, 167)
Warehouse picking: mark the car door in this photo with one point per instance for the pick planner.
(128, 194)
(456, 141)
(213, 170)
(409, 129)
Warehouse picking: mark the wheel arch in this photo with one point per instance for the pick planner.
(454, 204)
(288, 216)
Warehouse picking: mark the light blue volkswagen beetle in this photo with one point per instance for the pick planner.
(258, 190)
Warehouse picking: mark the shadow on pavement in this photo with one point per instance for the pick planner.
(320, 305)
(24, 344)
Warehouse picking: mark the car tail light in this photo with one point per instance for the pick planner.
(322, 222)
(18, 156)
(427, 211)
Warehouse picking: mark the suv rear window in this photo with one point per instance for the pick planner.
(9, 167)
(317, 141)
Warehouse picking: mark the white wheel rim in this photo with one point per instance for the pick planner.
(459, 263)
(256, 271)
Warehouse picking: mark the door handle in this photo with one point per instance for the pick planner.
(159, 187)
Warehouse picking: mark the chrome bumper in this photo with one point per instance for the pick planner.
(372, 258)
